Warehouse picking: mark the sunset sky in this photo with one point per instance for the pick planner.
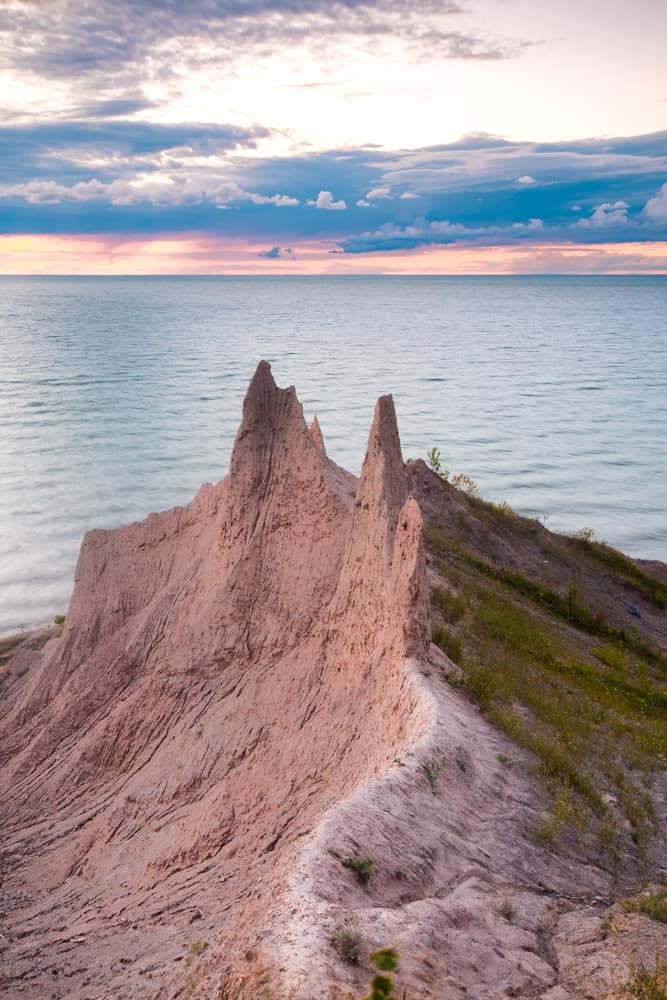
(333, 136)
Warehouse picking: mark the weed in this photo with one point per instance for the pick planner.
(348, 942)
(432, 772)
(363, 868)
(59, 620)
(199, 730)
(504, 759)
(647, 985)
(433, 460)
(506, 910)
(399, 873)
(503, 508)
(606, 927)
(196, 949)
(652, 902)
(463, 482)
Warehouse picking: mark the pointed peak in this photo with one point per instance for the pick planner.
(261, 381)
(384, 429)
(382, 488)
(272, 417)
(316, 434)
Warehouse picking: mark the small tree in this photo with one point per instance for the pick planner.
(433, 459)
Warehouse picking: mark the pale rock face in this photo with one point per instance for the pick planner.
(228, 671)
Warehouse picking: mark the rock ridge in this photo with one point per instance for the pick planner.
(228, 671)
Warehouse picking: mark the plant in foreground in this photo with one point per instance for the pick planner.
(432, 772)
(382, 987)
(647, 985)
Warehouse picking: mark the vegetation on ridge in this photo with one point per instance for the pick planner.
(522, 613)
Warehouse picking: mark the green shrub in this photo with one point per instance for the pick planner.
(363, 868)
(348, 942)
(59, 620)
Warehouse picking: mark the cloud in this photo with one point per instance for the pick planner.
(114, 176)
(379, 193)
(160, 190)
(392, 237)
(280, 200)
(526, 179)
(128, 44)
(277, 253)
(607, 214)
(656, 208)
(64, 149)
(326, 201)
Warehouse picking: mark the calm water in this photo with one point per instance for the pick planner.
(121, 396)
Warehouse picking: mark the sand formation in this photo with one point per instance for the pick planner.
(227, 672)
(241, 694)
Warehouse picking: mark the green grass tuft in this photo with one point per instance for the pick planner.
(652, 902)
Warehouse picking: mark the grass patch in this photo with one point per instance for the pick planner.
(451, 606)
(447, 642)
(591, 715)
(645, 984)
(652, 902)
(655, 590)
(569, 607)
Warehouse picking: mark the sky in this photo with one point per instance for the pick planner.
(333, 136)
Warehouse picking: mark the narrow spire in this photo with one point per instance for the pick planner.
(316, 434)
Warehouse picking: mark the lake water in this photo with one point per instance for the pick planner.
(120, 396)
